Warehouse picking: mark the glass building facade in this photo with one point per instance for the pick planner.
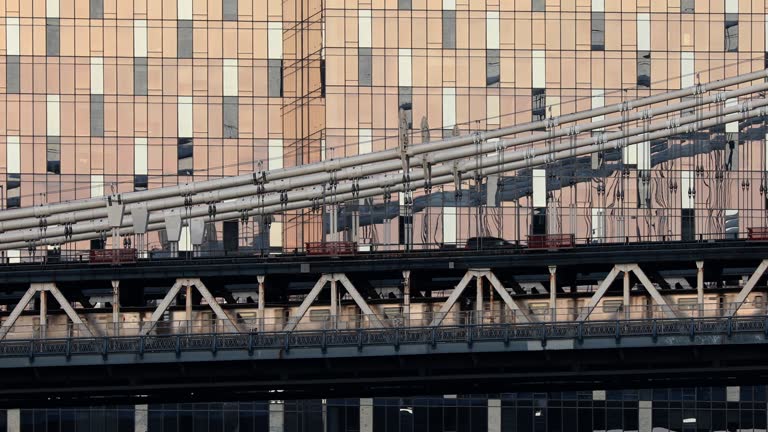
(110, 96)
(107, 96)
(679, 409)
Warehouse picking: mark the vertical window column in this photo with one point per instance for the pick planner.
(96, 9)
(185, 149)
(732, 139)
(140, 70)
(275, 62)
(449, 24)
(404, 4)
(51, 8)
(492, 66)
(12, 36)
(643, 50)
(492, 53)
(275, 154)
(184, 41)
(365, 60)
(53, 115)
(13, 70)
(405, 102)
(13, 168)
(52, 36)
(140, 170)
(688, 215)
(731, 25)
(598, 25)
(53, 155)
(97, 96)
(538, 5)
(97, 185)
(539, 190)
(365, 141)
(183, 9)
(598, 31)
(184, 32)
(687, 71)
(229, 10)
(538, 92)
(231, 102)
(404, 80)
(449, 111)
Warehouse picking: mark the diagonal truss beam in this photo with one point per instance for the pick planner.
(601, 290)
(68, 308)
(215, 306)
(341, 277)
(171, 295)
(29, 295)
(293, 322)
(748, 287)
(497, 285)
(468, 276)
(308, 300)
(161, 308)
(669, 312)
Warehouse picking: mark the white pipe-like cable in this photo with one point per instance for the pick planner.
(189, 189)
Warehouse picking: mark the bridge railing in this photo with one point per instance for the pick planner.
(396, 337)
(524, 245)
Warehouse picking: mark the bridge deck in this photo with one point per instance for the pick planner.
(382, 361)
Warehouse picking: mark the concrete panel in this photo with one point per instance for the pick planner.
(366, 415)
(14, 420)
(141, 418)
(494, 415)
(645, 416)
(276, 416)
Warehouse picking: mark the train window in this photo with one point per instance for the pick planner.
(687, 304)
(758, 303)
(319, 315)
(539, 308)
(393, 312)
(612, 306)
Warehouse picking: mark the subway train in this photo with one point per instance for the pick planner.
(423, 311)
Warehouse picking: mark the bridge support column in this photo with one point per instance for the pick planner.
(188, 308)
(494, 415)
(260, 279)
(334, 304)
(116, 307)
(366, 415)
(553, 292)
(407, 296)
(43, 314)
(744, 293)
(13, 420)
(141, 418)
(479, 301)
(626, 302)
(700, 286)
(276, 416)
